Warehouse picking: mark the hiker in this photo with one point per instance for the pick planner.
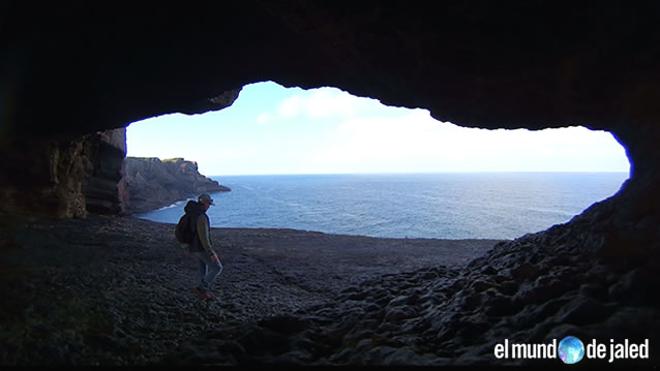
(201, 247)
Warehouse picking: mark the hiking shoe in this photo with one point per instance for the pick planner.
(203, 294)
(208, 295)
(199, 291)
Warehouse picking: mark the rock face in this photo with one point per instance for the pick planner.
(102, 185)
(62, 176)
(151, 183)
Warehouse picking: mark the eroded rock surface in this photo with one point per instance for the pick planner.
(62, 176)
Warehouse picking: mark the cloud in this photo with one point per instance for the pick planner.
(324, 103)
(264, 118)
(290, 107)
(416, 140)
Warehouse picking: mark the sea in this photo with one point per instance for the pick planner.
(442, 205)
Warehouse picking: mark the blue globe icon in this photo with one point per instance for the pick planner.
(571, 350)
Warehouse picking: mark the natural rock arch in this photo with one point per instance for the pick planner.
(77, 69)
(72, 72)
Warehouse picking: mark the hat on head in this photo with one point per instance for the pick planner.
(205, 197)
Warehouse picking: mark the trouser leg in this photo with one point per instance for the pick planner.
(202, 271)
(209, 270)
(214, 269)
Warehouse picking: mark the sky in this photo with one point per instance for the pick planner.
(275, 130)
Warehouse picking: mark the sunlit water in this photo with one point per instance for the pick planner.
(453, 206)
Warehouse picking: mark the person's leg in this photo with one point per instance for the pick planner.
(214, 269)
(202, 271)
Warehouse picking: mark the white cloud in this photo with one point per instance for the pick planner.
(290, 107)
(264, 118)
(417, 142)
(324, 103)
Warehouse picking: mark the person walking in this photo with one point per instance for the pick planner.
(201, 247)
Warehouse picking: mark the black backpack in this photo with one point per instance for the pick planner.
(183, 231)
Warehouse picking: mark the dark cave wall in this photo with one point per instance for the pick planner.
(102, 186)
(43, 177)
(65, 176)
(75, 69)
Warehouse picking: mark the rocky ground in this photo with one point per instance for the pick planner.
(116, 291)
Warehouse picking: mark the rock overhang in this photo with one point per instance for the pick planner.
(75, 69)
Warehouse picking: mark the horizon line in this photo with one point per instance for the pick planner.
(434, 172)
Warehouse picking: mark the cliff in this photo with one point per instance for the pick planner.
(151, 183)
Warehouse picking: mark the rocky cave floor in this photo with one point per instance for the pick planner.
(117, 291)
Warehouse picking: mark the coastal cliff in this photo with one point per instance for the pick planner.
(150, 183)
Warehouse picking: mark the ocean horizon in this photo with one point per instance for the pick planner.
(457, 205)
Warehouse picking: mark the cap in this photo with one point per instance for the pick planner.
(205, 197)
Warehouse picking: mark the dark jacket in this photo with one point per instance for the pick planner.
(195, 210)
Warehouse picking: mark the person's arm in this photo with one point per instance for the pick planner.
(204, 235)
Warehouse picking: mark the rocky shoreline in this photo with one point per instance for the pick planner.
(116, 291)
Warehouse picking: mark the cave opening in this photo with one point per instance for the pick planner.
(325, 160)
(104, 289)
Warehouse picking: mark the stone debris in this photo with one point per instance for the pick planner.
(115, 291)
